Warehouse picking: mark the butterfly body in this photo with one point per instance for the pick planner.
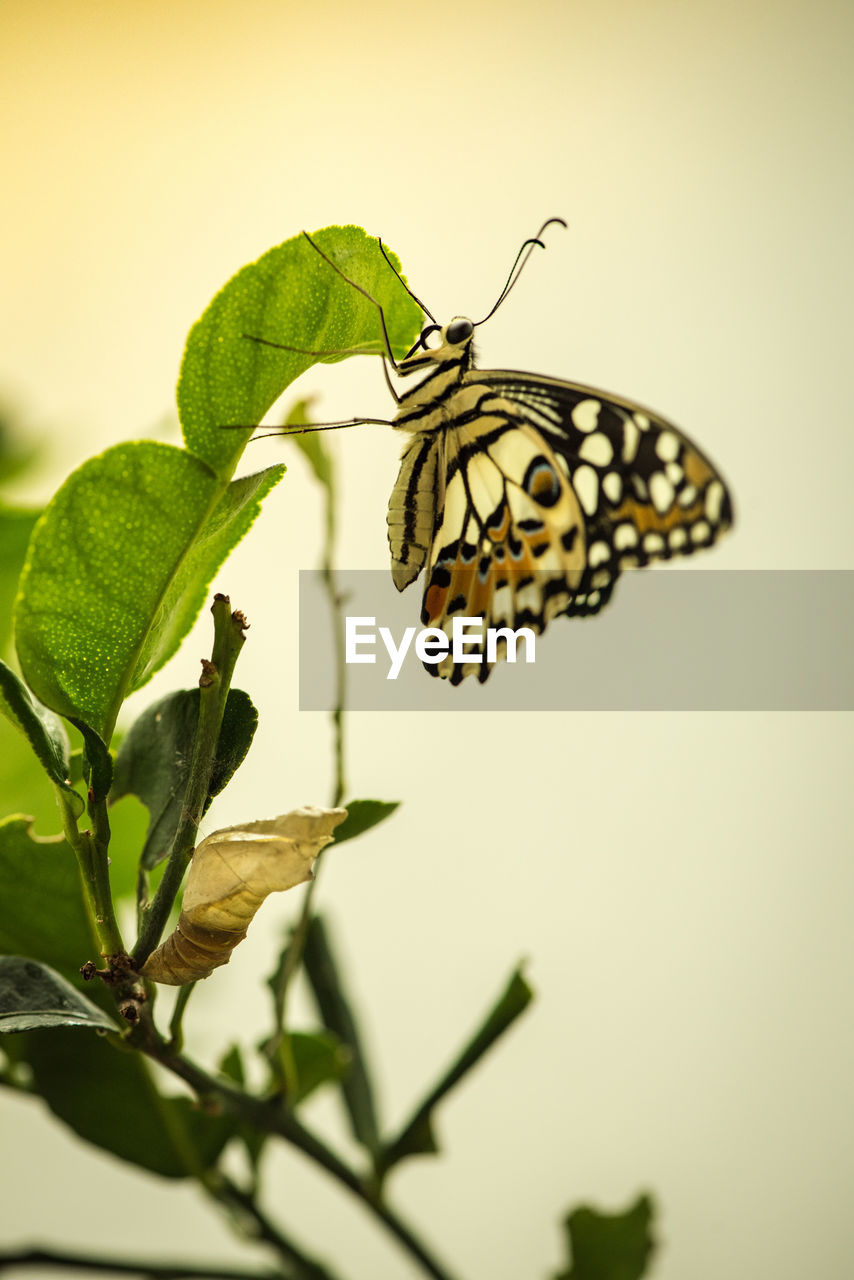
(525, 497)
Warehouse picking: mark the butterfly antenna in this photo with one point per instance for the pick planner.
(519, 265)
(300, 428)
(363, 292)
(412, 295)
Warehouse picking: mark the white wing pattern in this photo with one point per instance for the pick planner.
(531, 496)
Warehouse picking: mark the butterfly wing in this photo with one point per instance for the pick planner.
(510, 542)
(551, 490)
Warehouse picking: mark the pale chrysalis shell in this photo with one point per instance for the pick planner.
(231, 874)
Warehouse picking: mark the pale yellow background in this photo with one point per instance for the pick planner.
(681, 884)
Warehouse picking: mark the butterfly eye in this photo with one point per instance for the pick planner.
(458, 330)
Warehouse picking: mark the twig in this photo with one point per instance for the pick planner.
(268, 1115)
(90, 850)
(264, 1229)
(176, 1023)
(297, 941)
(214, 685)
(93, 1263)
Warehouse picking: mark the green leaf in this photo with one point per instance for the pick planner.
(155, 757)
(417, 1136)
(219, 534)
(34, 996)
(43, 911)
(606, 1246)
(362, 815)
(310, 444)
(44, 731)
(15, 529)
(231, 1066)
(289, 296)
(336, 1012)
(239, 722)
(108, 1097)
(313, 1058)
(97, 761)
(117, 568)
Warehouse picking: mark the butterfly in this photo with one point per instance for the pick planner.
(523, 497)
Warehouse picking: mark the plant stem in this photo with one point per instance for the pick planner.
(93, 1264)
(176, 1028)
(296, 944)
(264, 1229)
(336, 600)
(214, 685)
(90, 849)
(270, 1117)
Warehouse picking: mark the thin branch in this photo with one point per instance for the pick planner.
(336, 600)
(296, 943)
(176, 1023)
(95, 1264)
(90, 851)
(214, 685)
(268, 1115)
(263, 1229)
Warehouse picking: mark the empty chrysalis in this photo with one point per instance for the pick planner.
(231, 874)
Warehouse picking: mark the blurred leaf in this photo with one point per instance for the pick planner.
(34, 996)
(109, 1098)
(24, 785)
(362, 815)
(337, 1015)
(44, 731)
(313, 1058)
(117, 569)
(155, 757)
(606, 1246)
(417, 1137)
(254, 1140)
(43, 911)
(310, 444)
(17, 454)
(15, 529)
(231, 1066)
(289, 296)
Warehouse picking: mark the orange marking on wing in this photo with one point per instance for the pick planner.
(498, 533)
(435, 599)
(697, 470)
(646, 519)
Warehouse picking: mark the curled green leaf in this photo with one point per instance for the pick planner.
(293, 297)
